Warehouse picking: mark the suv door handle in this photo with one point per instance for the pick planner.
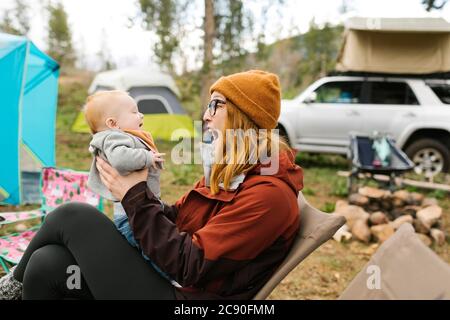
(410, 115)
(352, 113)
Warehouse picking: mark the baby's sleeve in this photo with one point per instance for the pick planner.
(122, 154)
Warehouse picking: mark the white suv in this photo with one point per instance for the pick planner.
(414, 112)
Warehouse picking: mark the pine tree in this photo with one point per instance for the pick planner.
(104, 54)
(433, 4)
(59, 36)
(16, 20)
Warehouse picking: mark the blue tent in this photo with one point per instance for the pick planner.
(29, 90)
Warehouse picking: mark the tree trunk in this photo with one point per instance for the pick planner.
(208, 68)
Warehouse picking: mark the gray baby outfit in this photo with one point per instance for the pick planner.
(126, 153)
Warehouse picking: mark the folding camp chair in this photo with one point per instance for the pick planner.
(316, 227)
(58, 186)
(403, 268)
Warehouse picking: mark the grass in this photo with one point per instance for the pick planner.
(323, 275)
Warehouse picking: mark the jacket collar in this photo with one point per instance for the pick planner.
(223, 195)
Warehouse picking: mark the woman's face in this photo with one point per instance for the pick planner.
(218, 120)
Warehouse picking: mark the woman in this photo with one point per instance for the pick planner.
(222, 239)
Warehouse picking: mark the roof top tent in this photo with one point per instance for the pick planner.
(403, 46)
(156, 95)
(29, 90)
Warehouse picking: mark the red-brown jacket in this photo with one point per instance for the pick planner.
(225, 245)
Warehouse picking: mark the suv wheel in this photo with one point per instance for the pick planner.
(430, 157)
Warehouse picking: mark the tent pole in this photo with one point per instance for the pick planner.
(22, 90)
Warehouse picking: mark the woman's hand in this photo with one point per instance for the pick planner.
(117, 184)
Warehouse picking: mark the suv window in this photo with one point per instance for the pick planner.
(382, 92)
(442, 91)
(339, 92)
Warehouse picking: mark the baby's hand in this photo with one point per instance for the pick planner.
(157, 160)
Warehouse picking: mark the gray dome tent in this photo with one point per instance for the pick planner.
(156, 95)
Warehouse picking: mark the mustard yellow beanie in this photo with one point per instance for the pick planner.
(256, 93)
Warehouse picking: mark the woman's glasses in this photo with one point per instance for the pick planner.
(213, 104)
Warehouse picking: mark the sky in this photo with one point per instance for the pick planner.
(104, 24)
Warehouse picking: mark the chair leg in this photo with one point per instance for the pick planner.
(4, 265)
(352, 179)
(392, 185)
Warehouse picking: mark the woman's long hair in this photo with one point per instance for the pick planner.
(242, 147)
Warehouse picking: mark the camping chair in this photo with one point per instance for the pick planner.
(316, 227)
(58, 186)
(403, 268)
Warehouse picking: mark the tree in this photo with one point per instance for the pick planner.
(161, 16)
(319, 48)
(345, 7)
(434, 4)
(22, 16)
(7, 24)
(207, 70)
(231, 24)
(226, 24)
(16, 20)
(223, 20)
(104, 54)
(59, 36)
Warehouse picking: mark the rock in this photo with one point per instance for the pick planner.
(370, 250)
(416, 198)
(382, 232)
(438, 236)
(378, 218)
(386, 205)
(340, 204)
(397, 212)
(438, 225)
(373, 193)
(361, 231)
(420, 227)
(343, 234)
(429, 215)
(402, 195)
(352, 214)
(401, 220)
(425, 239)
(411, 210)
(358, 199)
(396, 202)
(430, 202)
(373, 207)
(20, 227)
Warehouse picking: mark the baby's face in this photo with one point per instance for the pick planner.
(128, 116)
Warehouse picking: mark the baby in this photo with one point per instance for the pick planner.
(115, 122)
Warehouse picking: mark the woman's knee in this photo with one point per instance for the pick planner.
(74, 212)
(46, 272)
(48, 261)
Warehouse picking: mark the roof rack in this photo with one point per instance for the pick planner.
(437, 75)
(417, 25)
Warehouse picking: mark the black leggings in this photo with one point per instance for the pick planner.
(77, 234)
